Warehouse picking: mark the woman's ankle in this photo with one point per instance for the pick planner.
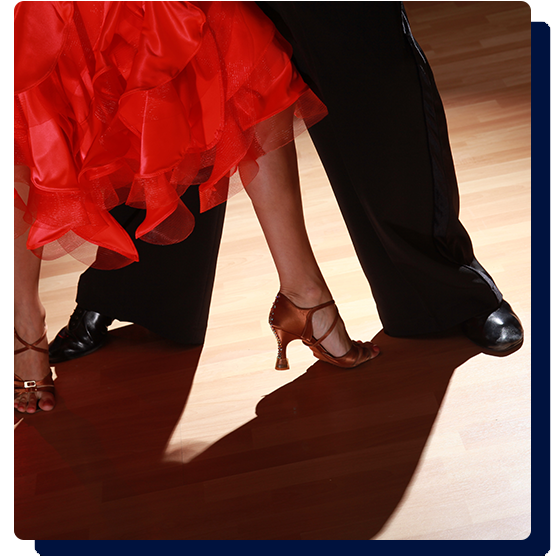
(307, 296)
(30, 321)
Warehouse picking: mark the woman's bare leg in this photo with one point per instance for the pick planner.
(29, 322)
(276, 197)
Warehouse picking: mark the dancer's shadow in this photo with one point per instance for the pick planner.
(331, 454)
(81, 470)
(328, 456)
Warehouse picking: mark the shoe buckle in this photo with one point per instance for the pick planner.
(29, 384)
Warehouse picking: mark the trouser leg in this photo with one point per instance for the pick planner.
(169, 290)
(385, 149)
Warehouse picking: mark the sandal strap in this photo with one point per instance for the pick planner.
(30, 346)
(32, 386)
(308, 337)
(329, 331)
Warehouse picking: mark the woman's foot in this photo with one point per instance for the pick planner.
(337, 343)
(33, 385)
(320, 327)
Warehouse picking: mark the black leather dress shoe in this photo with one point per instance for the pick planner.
(85, 333)
(499, 331)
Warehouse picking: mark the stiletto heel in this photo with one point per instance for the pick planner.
(287, 320)
(283, 338)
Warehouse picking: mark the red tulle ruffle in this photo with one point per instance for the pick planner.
(132, 102)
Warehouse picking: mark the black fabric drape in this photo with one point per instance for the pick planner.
(386, 151)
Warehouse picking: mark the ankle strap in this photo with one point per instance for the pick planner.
(31, 346)
(308, 331)
(331, 328)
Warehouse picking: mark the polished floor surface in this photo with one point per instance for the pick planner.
(429, 441)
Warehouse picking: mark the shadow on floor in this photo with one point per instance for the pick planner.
(328, 456)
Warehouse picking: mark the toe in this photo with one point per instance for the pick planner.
(46, 402)
(32, 403)
(21, 404)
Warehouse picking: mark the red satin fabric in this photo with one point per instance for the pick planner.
(132, 102)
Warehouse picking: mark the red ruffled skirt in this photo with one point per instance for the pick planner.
(132, 102)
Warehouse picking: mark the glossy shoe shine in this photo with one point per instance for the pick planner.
(290, 322)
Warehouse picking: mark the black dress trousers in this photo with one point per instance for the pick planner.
(385, 148)
(169, 290)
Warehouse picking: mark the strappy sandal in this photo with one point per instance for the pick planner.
(290, 322)
(22, 386)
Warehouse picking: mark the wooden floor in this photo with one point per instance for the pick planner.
(429, 441)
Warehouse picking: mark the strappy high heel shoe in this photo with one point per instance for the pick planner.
(290, 322)
(22, 386)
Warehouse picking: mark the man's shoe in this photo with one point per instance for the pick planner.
(85, 333)
(499, 331)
